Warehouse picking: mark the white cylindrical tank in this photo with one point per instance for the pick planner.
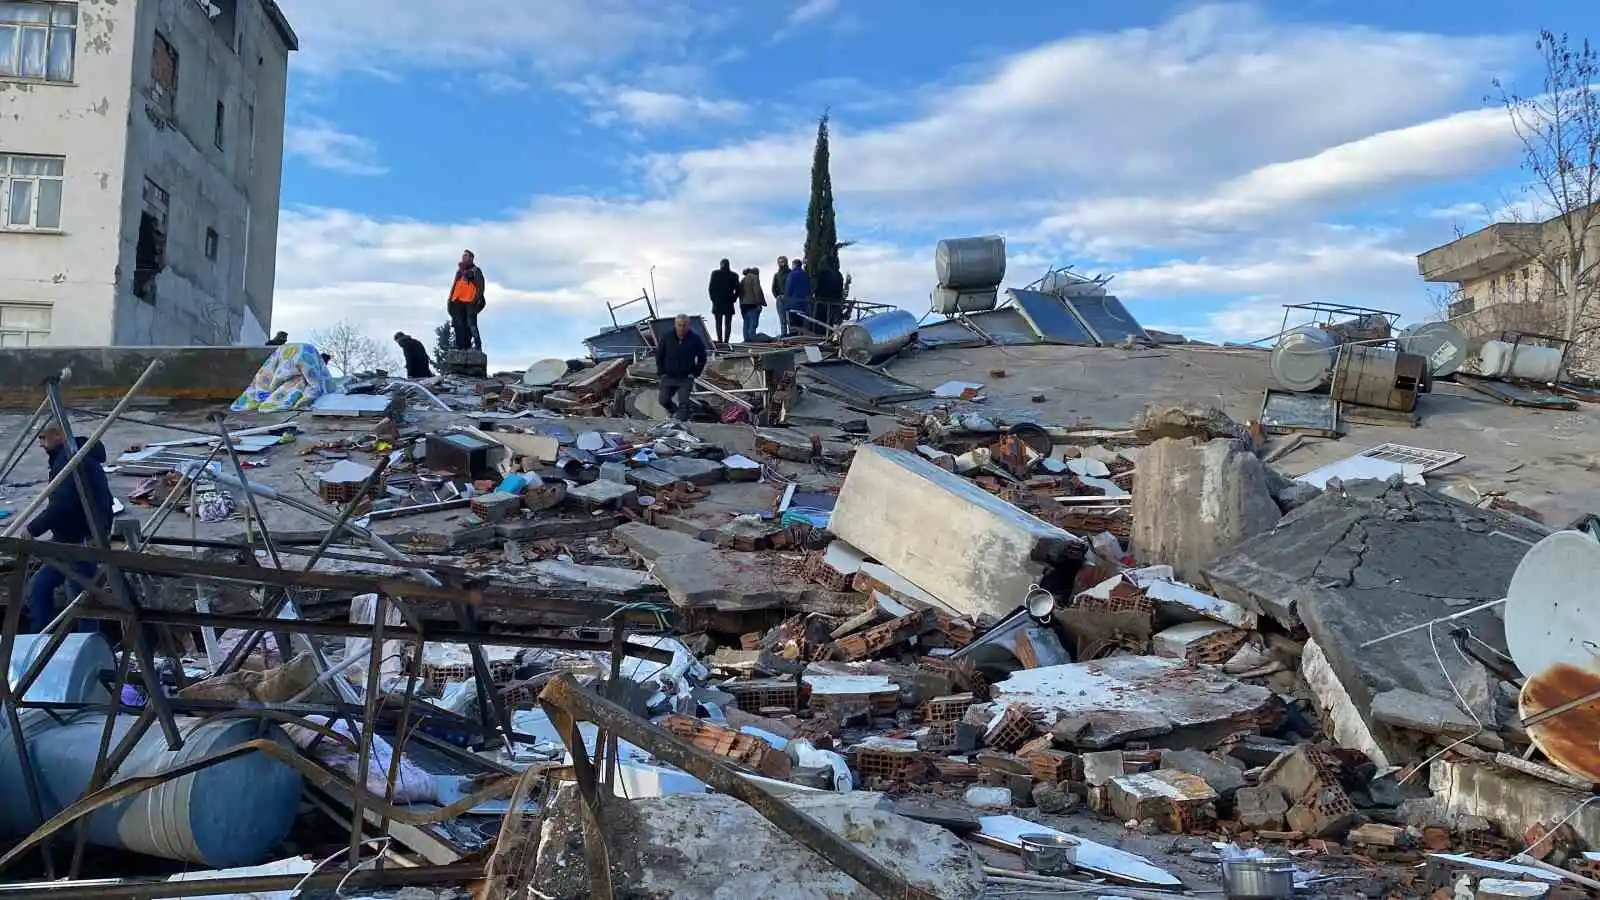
(965, 263)
(1503, 359)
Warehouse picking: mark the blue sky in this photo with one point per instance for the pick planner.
(1220, 158)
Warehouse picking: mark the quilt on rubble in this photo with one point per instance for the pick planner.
(294, 376)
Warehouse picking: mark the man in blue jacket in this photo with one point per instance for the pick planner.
(67, 522)
(796, 297)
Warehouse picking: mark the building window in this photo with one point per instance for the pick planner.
(211, 244)
(24, 324)
(222, 119)
(150, 253)
(38, 40)
(30, 191)
(164, 75)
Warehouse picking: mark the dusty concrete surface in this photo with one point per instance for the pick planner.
(1555, 454)
(1198, 500)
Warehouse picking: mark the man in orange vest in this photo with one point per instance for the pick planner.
(466, 301)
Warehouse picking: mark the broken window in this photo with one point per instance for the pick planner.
(24, 324)
(164, 73)
(211, 244)
(38, 40)
(221, 126)
(224, 18)
(150, 254)
(30, 192)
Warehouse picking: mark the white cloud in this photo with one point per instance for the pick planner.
(1267, 126)
(1444, 148)
(321, 143)
(612, 104)
(382, 35)
(810, 11)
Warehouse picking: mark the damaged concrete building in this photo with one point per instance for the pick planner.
(141, 162)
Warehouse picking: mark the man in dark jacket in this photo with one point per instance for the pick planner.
(67, 522)
(466, 301)
(416, 356)
(724, 293)
(680, 358)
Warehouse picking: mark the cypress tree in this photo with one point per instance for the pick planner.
(822, 233)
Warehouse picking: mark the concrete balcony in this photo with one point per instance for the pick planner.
(1481, 253)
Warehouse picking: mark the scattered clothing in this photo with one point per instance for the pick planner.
(293, 377)
(416, 357)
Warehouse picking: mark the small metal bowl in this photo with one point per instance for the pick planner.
(1049, 854)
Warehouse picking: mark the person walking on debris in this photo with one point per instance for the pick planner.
(796, 296)
(724, 291)
(680, 358)
(415, 354)
(67, 522)
(751, 298)
(466, 301)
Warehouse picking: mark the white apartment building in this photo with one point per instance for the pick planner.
(141, 162)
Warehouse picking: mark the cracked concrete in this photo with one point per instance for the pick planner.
(1377, 558)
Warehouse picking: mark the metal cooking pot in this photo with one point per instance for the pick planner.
(1268, 878)
(1049, 854)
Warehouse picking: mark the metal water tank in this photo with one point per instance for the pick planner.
(977, 262)
(76, 673)
(1303, 358)
(949, 301)
(1440, 343)
(1503, 359)
(876, 338)
(234, 813)
(1379, 376)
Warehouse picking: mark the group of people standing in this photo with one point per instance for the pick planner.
(793, 291)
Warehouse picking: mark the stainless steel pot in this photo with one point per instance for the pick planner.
(1049, 854)
(1268, 878)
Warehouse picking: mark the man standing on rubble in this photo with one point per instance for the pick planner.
(780, 279)
(724, 292)
(796, 296)
(680, 358)
(416, 356)
(751, 299)
(67, 522)
(466, 301)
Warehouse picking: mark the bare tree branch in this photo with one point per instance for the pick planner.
(350, 350)
(1559, 129)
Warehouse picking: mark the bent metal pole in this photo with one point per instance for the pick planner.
(20, 521)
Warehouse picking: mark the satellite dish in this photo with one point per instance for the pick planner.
(1440, 343)
(1552, 610)
(1303, 358)
(545, 372)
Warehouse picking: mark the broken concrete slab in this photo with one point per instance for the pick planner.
(652, 543)
(1262, 807)
(1224, 777)
(606, 578)
(701, 472)
(651, 480)
(698, 575)
(986, 566)
(1179, 602)
(1197, 501)
(1371, 561)
(1418, 712)
(1187, 640)
(601, 494)
(880, 580)
(678, 846)
(1164, 701)
(1177, 801)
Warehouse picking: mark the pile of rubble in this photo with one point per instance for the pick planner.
(940, 638)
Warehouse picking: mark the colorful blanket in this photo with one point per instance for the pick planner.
(293, 377)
